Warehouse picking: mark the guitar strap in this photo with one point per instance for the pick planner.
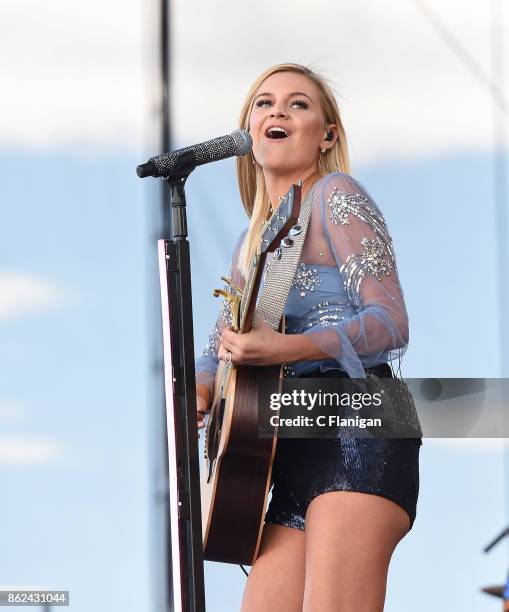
(280, 273)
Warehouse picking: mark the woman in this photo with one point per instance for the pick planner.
(339, 506)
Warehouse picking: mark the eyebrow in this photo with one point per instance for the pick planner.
(294, 93)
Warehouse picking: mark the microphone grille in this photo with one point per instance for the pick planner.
(243, 141)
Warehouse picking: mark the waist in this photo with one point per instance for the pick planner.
(382, 370)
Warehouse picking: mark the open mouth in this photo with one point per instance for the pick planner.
(276, 133)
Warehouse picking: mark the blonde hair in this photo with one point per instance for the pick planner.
(250, 177)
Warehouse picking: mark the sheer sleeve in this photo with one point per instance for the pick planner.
(358, 238)
(206, 364)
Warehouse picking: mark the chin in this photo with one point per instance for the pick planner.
(276, 163)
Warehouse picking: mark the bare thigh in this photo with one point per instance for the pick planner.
(276, 579)
(350, 538)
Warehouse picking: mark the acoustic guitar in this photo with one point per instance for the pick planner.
(236, 470)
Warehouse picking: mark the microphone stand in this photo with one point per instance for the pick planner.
(180, 392)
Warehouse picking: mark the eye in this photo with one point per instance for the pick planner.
(265, 102)
(300, 104)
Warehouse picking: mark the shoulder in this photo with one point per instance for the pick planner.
(342, 194)
(240, 239)
(238, 247)
(341, 181)
(346, 204)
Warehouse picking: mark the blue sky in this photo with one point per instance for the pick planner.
(79, 425)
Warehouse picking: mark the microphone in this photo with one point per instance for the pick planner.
(239, 142)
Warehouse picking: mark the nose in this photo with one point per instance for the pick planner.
(277, 111)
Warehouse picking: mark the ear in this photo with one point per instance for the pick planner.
(330, 135)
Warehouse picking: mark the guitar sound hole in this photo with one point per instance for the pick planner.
(221, 413)
(214, 436)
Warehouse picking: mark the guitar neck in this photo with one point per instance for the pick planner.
(248, 302)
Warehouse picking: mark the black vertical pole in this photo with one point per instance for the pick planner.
(165, 145)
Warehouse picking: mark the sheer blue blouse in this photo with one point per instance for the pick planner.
(346, 295)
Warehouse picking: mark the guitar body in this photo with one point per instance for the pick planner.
(236, 475)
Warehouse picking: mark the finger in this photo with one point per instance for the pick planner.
(229, 342)
(228, 335)
(227, 347)
(223, 352)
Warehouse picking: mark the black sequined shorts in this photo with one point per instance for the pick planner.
(306, 467)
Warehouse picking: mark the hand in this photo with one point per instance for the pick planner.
(260, 346)
(201, 410)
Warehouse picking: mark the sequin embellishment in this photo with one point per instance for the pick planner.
(377, 256)
(325, 306)
(225, 312)
(372, 260)
(306, 279)
(329, 312)
(339, 203)
(212, 347)
(289, 371)
(342, 205)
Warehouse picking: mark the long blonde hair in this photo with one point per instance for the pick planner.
(253, 191)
